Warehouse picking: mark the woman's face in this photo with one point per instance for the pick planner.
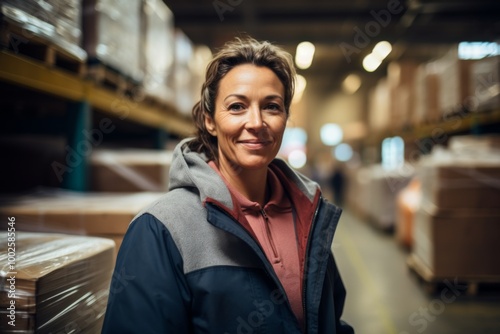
(249, 118)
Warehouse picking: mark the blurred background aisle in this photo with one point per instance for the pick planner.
(384, 296)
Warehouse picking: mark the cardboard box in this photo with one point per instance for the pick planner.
(111, 35)
(157, 50)
(130, 170)
(401, 81)
(94, 214)
(54, 21)
(458, 243)
(485, 84)
(454, 82)
(60, 280)
(461, 185)
(376, 192)
(426, 95)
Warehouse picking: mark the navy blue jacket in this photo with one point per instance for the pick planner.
(189, 264)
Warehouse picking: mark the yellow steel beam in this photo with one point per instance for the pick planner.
(452, 124)
(36, 75)
(126, 108)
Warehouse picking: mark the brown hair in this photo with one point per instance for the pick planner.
(237, 52)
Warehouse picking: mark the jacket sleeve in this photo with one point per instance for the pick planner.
(148, 291)
(339, 299)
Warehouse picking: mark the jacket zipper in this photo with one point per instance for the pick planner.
(305, 262)
(268, 272)
(269, 235)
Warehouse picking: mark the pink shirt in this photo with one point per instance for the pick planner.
(275, 230)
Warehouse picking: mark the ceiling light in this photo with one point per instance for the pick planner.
(478, 50)
(304, 55)
(371, 62)
(382, 49)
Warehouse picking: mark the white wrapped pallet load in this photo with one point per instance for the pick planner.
(56, 21)
(159, 50)
(112, 34)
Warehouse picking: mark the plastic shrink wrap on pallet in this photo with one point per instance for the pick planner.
(158, 51)
(57, 21)
(111, 35)
(54, 283)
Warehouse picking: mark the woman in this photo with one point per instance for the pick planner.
(241, 242)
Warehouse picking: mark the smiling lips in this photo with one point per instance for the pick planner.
(254, 144)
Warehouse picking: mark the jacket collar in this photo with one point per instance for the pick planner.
(191, 170)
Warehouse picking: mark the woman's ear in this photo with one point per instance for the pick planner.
(210, 125)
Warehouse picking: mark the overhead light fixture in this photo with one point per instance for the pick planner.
(478, 50)
(351, 83)
(380, 51)
(304, 55)
(371, 62)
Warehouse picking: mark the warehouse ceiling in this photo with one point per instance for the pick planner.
(342, 31)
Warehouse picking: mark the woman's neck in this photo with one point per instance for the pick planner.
(250, 183)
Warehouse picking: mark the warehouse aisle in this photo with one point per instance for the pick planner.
(383, 297)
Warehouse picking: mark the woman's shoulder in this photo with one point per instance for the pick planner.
(175, 204)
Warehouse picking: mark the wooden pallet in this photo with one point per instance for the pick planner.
(110, 78)
(158, 103)
(23, 42)
(432, 284)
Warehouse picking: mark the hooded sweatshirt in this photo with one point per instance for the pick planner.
(191, 263)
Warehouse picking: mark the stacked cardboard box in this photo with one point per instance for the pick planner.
(485, 84)
(401, 81)
(458, 243)
(158, 52)
(426, 95)
(130, 170)
(58, 283)
(375, 193)
(111, 35)
(54, 20)
(454, 82)
(456, 227)
(95, 214)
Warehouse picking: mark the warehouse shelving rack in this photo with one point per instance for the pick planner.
(455, 123)
(86, 95)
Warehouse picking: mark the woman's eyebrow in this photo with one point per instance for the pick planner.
(243, 97)
(270, 97)
(240, 96)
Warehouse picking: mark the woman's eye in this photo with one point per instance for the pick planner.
(273, 107)
(236, 107)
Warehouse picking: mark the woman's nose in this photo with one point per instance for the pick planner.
(254, 120)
